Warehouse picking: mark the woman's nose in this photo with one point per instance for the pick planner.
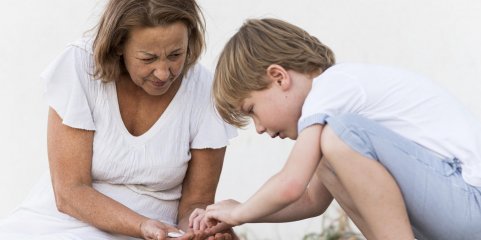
(162, 71)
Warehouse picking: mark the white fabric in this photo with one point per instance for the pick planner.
(407, 103)
(144, 172)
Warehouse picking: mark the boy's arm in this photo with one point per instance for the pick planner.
(313, 202)
(280, 190)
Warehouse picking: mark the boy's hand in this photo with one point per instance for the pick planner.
(222, 212)
(196, 219)
(200, 228)
(222, 229)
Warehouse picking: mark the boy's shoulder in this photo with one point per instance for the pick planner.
(354, 67)
(368, 72)
(340, 71)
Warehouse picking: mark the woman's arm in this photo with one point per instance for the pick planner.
(284, 188)
(200, 183)
(70, 162)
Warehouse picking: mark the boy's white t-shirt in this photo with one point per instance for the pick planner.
(408, 104)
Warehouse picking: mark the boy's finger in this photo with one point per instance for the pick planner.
(192, 216)
(195, 224)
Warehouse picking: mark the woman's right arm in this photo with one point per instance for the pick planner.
(70, 162)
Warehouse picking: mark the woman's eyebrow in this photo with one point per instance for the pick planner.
(152, 54)
(146, 53)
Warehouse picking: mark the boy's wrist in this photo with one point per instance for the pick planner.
(238, 216)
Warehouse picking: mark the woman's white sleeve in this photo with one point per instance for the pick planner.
(208, 130)
(67, 84)
(212, 131)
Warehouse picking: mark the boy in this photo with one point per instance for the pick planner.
(399, 154)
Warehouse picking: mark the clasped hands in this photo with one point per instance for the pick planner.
(215, 218)
(213, 223)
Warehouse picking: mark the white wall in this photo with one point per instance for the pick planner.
(439, 38)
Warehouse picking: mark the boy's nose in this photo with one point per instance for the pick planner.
(260, 129)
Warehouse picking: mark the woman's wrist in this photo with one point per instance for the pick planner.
(141, 224)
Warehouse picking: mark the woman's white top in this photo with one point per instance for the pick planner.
(407, 103)
(145, 172)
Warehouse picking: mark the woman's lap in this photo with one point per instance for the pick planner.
(439, 203)
(37, 218)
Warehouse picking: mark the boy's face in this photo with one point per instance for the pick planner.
(277, 109)
(270, 114)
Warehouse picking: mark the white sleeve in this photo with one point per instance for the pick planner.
(67, 81)
(332, 94)
(212, 131)
(208, 130)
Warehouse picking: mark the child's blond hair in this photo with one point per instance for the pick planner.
(259, 43)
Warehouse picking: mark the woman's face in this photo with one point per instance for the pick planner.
(155, 56)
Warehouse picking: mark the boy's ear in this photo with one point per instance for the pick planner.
(279, 76)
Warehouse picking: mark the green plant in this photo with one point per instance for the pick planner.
(338, 228)
(332, 228)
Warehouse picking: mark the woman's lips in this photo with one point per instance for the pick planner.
(158, 83)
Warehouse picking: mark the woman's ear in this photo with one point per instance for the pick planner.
(119, 51)
(279, 76)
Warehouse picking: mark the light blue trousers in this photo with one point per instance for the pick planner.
(440, 204)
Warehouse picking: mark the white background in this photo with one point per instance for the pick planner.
(438, 38)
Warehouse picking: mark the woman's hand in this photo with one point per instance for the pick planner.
(198, 191)
(155, 230)
(221, 231)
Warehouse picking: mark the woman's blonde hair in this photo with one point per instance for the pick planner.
(121, 16)
(259, 43)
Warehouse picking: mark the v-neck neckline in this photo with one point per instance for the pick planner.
(114, 102)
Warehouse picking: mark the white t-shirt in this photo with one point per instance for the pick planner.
(144, 173)
(407, 103)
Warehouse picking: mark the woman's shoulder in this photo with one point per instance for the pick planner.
(198, 80)
(200, 74)
(84, 44)
(69, 85)
(75, 58)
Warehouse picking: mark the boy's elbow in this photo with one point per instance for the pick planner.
(292, 190)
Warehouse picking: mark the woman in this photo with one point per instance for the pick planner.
(134, 143)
